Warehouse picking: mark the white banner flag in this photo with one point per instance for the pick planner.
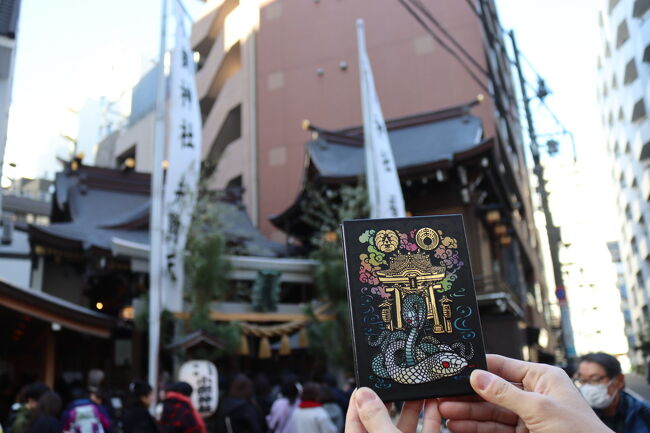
(384, 190)
(184, 158)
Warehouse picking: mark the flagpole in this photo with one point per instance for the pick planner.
(384, 188)
(370, 178)
(155, 219)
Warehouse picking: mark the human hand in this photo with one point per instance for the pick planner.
(549, 402)
(368, 414)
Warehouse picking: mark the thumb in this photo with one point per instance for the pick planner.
(502, 393)
(372, 412)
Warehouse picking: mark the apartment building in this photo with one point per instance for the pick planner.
(624, 71)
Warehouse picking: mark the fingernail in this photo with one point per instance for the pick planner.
(481, 379)
(364, 396)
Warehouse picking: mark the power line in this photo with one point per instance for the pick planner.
(445, 46)
(418, 4)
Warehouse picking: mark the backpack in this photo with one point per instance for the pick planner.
(85, 419)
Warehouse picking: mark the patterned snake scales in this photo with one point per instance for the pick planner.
(408, 359)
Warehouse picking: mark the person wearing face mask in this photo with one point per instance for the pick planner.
(601, 383)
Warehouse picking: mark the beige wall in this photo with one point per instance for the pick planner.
(226, 81)
(141, 135)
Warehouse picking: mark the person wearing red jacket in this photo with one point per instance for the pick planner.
(178, 413)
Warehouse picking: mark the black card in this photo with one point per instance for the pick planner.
(414, 317)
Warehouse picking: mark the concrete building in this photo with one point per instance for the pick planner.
(264, 66)
(624, 69)
(8, 27)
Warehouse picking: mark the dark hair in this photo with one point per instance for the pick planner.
(35, 390)
(608, 362)
(49, 404)
(181, 388)
(311, 391)
(289, 389)
(137, 390)
(241, 387)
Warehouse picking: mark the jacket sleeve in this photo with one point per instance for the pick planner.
(103, 417)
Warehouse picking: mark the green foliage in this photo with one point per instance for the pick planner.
(206, 269)
(141, 320)
(324, 210)
(326, 207)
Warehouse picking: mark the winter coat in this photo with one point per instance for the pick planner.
(336, 415)
(45, 424)
(632, 416)
(22, 420)
(236, 415)
(102, 415)
(279, 420)
(139, 420)
(312, 420)
(179, 416)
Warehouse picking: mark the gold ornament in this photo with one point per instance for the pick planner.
(386, 240)
(427, 233)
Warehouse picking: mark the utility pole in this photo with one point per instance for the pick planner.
(552, 231)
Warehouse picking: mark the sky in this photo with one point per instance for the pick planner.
(561, 40)
(72, 52)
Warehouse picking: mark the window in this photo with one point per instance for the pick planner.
(621, 115)
(646, 54)
(608, 51)
(614, 83)
(645, 151)
(628, 150)
(622, 34)
(612, 5)
(631, 73)
(640, 8)
(610, 119)
(639, 279)
(638, 112)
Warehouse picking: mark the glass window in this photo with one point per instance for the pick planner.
(640, 8)
(622, 34)
(639, 112)
(631, 73)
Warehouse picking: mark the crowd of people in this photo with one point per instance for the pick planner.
(511, 396)
(247, 406)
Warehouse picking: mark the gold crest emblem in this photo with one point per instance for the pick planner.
(386, 241)
(427, 238)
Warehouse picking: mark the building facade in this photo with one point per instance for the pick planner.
(624, 70)
(264, 67)
(8, 27)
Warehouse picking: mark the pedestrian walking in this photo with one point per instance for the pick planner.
(46, 414)
(237, 412)
(25, 410)
(310, 417)
(84, 416)
(279, 420)
(137, 418)
(178, 412)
